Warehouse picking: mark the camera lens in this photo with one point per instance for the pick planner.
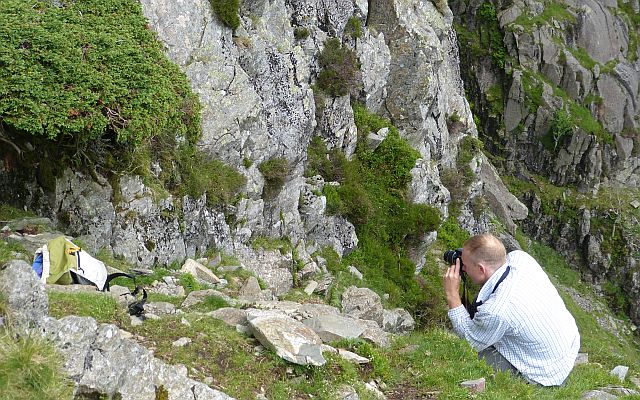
(449, 256)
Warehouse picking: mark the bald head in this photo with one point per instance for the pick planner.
(486, 249)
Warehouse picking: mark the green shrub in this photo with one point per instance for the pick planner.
(300, 33)
(372, 195)
(490, 34)
(87, 89)
(354, 27)
(339, 69)
(274, 171)
(561, 127)
(227, 12)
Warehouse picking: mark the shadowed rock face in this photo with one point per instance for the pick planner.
(581, 58)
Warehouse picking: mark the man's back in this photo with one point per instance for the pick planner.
(542, 340)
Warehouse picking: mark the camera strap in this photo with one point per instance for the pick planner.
(473, 307)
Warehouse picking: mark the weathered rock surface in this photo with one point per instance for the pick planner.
(362, 303)
(101, 361)
(335, 327)
(26, 301)
(288, 338)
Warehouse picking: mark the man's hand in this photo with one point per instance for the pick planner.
(452, 285)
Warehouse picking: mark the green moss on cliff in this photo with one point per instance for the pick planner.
(553, 11)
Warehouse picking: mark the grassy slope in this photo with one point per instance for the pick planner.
(428, 363)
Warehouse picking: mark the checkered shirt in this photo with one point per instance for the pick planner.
(525, 320)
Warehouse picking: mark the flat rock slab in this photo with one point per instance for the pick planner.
(290, 339)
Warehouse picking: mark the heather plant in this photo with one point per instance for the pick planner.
(102, 100)
(63, 80)
(340, 69)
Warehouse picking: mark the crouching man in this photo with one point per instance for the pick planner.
(518, 321)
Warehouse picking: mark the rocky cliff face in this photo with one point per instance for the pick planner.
(556, 85)
(255, 84)
(561, 87)
(555, 97)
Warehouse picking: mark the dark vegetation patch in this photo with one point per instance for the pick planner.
(373, 196)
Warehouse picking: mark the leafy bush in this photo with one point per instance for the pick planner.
(227, 12)
(561, 127)
(490, 34)
(340, 69)
(63, 80)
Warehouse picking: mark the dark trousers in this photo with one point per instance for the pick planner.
(496, 361)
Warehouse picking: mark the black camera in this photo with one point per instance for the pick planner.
(450, 256)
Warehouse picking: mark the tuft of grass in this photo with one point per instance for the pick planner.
(583, 57)
(8, 212)
(210, 303)
(354, 27)
(275, 171)
(300, 33)
(30, 368)
(552, 12)
(200, 174)
(189, 283)
(8, 251)
(227, 12)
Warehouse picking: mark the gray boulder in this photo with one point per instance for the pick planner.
(322, 229)
(504, 205)
(25, 298)
(362, 303)
(398, 321)
(288, 338)
(231, 316)
(335, 327)
(101, 361)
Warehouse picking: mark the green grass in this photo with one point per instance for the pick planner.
(428, 363)
(553, 11)
(101, 306)
(8, 250)
(30, 368)
(8, 212)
